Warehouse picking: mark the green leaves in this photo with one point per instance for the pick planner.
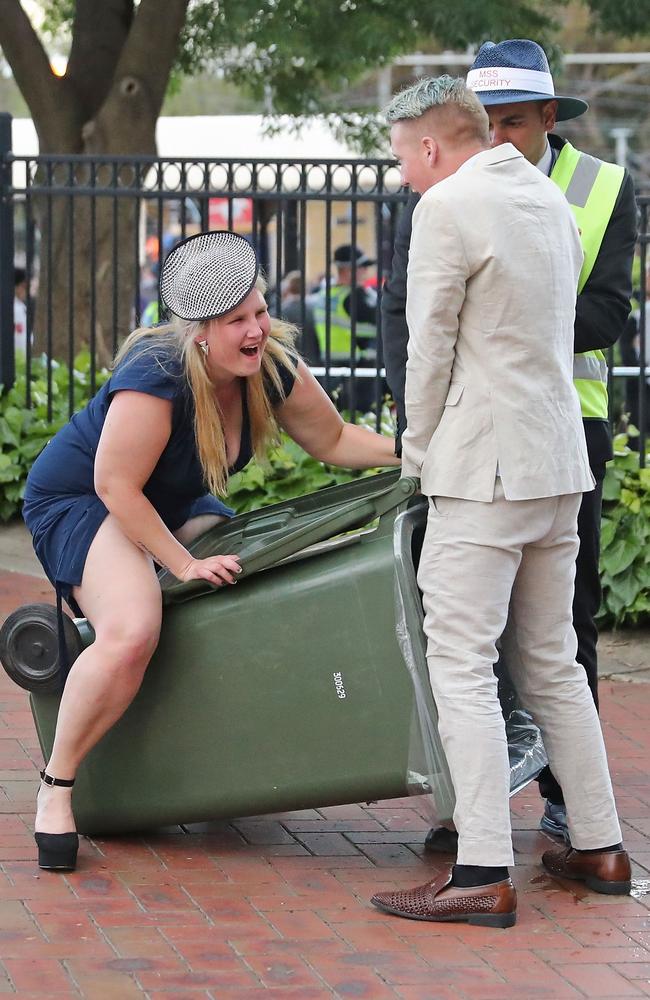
(302, 56)
(625, 539)
(619, 556)
(290, 472)
(624, 17)
(25, 432)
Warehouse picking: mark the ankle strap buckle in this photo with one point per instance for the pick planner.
(47, 779)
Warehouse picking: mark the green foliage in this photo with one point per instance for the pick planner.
(298, 57)
(291, 472)
(275, 50)
(300, 54)
(625, 539)
(623, 17)
(57, 13)
(25, 432)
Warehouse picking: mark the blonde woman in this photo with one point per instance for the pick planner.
(133, 478)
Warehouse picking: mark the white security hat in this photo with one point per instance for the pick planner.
(517, 70)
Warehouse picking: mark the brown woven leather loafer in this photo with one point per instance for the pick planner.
(607, 872)
(492, 905)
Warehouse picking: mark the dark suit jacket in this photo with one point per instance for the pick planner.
(602, 307)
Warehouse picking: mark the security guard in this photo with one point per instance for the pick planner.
(513, 81)
(348, 309)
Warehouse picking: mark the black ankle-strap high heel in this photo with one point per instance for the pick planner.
(57, 851)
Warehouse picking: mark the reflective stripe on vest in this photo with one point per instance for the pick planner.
(591, 187)
(340, 325)
(591, 366)
(590, 380)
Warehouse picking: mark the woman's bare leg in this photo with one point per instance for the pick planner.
(121, 597)
(197, 526)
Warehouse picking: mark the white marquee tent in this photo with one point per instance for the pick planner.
(217, 137)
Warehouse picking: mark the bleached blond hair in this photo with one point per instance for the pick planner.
(455, 105)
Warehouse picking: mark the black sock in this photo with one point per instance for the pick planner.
(466, 876)
(603, 850)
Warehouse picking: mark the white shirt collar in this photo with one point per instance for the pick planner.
(546, 161)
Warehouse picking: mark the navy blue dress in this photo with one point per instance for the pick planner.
(61, 508)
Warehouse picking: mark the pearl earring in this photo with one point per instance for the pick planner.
(205, 347)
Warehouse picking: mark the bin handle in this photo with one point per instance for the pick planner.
(344, 518)
(263, 524)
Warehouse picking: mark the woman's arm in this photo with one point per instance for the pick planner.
(310, 418)
(135, 432)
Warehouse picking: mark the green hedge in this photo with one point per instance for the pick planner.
(625, 540)
(24, 433)
(291, 472)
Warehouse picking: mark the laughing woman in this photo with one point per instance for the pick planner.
(133, 478)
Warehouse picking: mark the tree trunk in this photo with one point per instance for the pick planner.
(88, 285)
(107, 104)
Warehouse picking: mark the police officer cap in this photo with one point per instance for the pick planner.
(346, 253)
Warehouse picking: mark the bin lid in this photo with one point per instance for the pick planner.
(264, 537)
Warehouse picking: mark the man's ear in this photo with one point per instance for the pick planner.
(430, 149)
(549, 115)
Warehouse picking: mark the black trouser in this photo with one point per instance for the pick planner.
(586, 602)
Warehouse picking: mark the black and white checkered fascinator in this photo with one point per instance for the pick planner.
(207, 275)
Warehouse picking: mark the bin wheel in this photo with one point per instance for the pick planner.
(29, 647)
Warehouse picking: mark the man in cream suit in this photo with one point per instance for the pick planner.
(495, 434)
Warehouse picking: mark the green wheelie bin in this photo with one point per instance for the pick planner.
(304, 685)
(285, 691)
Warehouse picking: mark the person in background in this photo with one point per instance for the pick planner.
(296, 310)
(350, 308)
(135, 476)
(513, 82)
(20, 309)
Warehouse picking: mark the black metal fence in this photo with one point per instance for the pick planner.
(91, 235)
(634, 347)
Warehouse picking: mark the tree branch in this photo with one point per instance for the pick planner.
(29, 63)
(126, 121)
(99, 33)
(151, 47)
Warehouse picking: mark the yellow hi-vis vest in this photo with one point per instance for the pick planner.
(591, 187)
(340, 327)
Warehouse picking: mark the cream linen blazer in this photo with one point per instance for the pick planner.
(492, 280)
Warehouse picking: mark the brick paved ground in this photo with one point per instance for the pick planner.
(278, 905)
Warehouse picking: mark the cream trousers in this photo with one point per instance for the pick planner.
(483, 564)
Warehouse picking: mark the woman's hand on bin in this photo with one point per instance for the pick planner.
(217, 570)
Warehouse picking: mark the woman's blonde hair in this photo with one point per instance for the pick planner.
(208, 419)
